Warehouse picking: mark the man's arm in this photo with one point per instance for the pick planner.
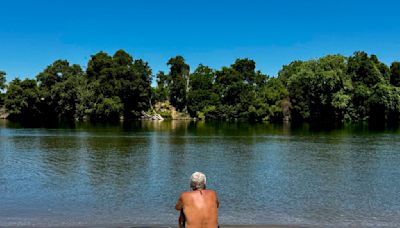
(179, 204)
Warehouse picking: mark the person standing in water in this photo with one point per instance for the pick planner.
(199, 207)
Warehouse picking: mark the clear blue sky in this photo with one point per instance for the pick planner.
(214, 32)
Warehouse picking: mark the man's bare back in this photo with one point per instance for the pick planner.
(200, 208)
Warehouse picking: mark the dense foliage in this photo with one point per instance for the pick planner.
(2, 85)
(333, 88)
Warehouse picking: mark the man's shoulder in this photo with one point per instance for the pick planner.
(185, 194)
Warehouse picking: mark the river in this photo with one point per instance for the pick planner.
(133, 173)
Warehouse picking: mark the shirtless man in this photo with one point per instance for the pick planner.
(200, 206)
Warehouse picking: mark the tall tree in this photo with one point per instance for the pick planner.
(123, 81)
(58, 85)
(178, 82)
(368, 76)
(100, 70)
(201, 94)
(251, 83)
(161, 91)
(133, 83)
(137, 91)
(105, 104)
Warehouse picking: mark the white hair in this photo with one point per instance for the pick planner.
(198, 181)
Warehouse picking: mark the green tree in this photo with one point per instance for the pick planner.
(99, 65)
(102, 81)
(2, 80)
(270, 100)
(238, 87)
(228, 83)
(107, 109)
(100, 72)
(22, 100)
(246, 69)
(383, 69)
(161, 91)
(395, 74)
(85, 99)
(364, 69)
(105, 88)
(117, 81)
(201, 94)
(246, 107)
(58, 86)
(312, 88)
(2, 86)
(178, 82)
(359, 106)
(136, 92)
(369, 77)
(132, 83)
(288, 70)
(384, 103)
(341, 102)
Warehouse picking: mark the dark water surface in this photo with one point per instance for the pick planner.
(133, 174)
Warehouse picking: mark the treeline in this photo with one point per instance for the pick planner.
(333, 88)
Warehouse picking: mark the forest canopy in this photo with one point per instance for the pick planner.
(333, 88)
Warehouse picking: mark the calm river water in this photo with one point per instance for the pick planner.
(133, 174)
